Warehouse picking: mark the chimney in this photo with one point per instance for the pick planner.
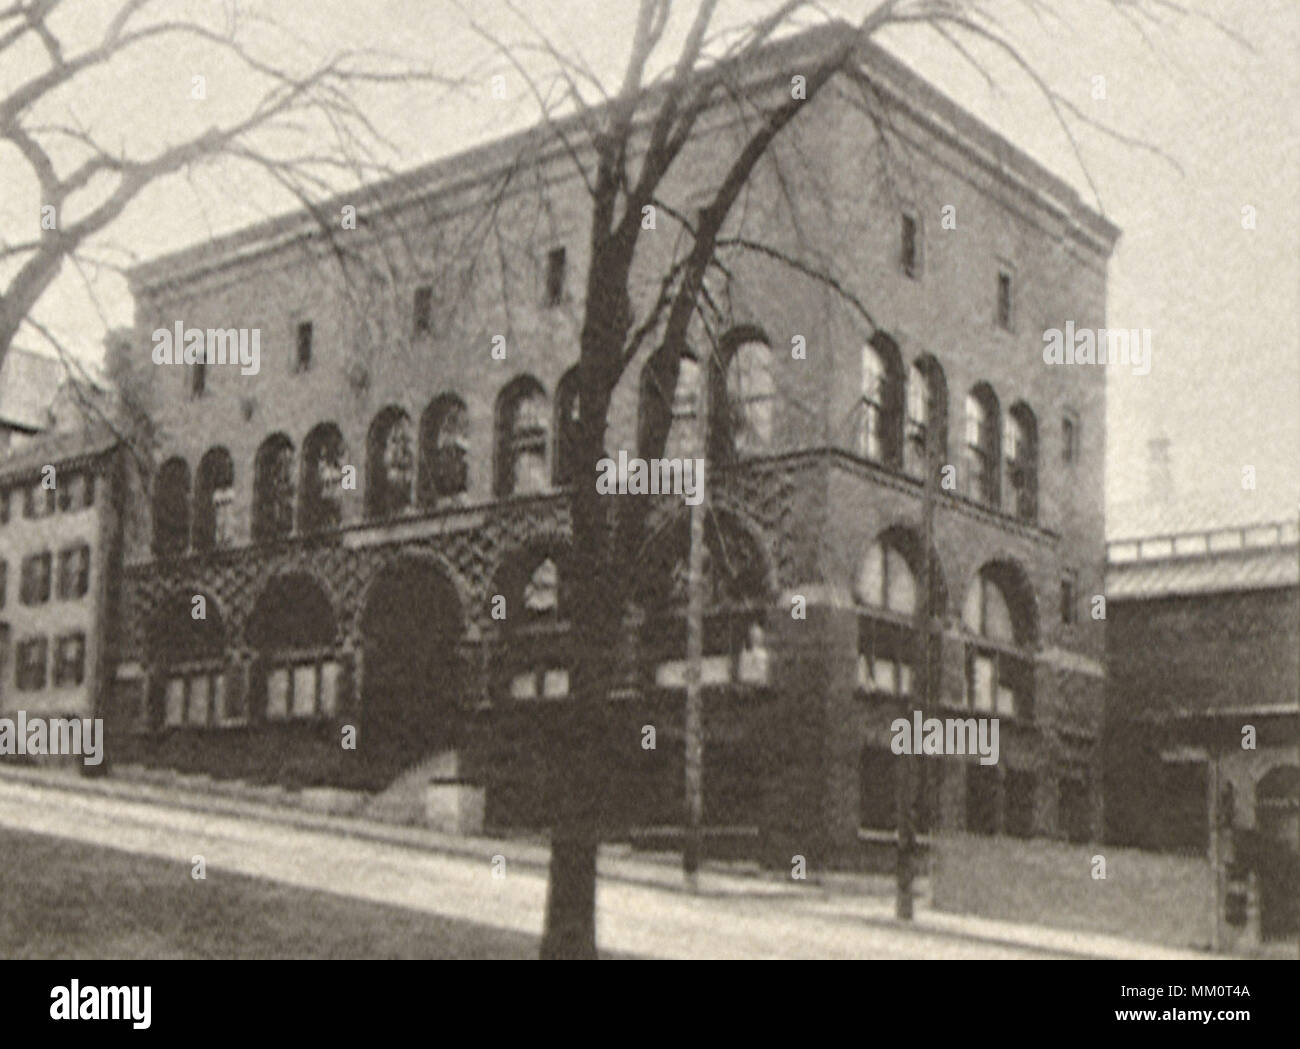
(1160, 472)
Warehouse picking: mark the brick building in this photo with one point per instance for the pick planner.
(1203, 727)
(350, 512)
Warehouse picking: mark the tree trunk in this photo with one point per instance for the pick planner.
(578, 750)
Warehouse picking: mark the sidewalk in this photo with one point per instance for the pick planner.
(862, 898)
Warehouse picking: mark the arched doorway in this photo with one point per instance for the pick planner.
(410, 627)
(1277, 818)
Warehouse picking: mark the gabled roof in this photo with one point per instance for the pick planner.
(28, 384)
(55, 449)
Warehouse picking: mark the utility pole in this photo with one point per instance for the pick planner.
(909, 770)
(691, 845)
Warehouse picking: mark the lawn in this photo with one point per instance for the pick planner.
(63, 899)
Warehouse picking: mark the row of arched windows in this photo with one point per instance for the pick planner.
(535, 445)
(404, 468)
(899, 412)
(535, 451)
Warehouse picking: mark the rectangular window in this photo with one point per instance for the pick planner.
(423, 309)
(983, 685)
(302, 358)
(70, 493)
(74, 572)
(1069, 598)
(224, 710)
(38, 501)
(555, 266)
(70, 659)
(4, 582)
(1069, 440)
(304, 690)
(198, 377)
(35, 586)
(29, 668)
(1020, 803)
(175, 702)
(982, 799)
(4, 506)
(1005, 315)
(910, 246)
(196, 704)
(329, 688)
(278, 687)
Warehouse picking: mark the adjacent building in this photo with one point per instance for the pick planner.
(59, 546)
(1203, 733)
(328, 537)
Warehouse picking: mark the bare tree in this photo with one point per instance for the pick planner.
(625, 142)
(303, 127)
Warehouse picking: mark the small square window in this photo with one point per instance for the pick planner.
(29, 668)
(1069, 440)
(35, 587)
(555, 267)
(1006, 303)
(1069, 598)
(70, 660)
(302, 358)
(423, 310)
(910, 245)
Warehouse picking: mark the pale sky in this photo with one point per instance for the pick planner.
(1222, 301)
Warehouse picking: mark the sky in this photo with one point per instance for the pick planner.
(1209, 260)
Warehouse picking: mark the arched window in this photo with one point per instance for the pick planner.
(189, 689)
(320, 506)
(535, 661)
(390, 464)
(566, 428)
(927, 412)
(734, 579)
(273, 489)
(982, 433)
(214, 491)
(171, 508)
(1020, 444)
(444, 449)
(885, 580)
(882, 402)
(999, 615)
(887, 588)
(521, 438)
(751, 398)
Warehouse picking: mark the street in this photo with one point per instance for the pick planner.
(763, 921)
